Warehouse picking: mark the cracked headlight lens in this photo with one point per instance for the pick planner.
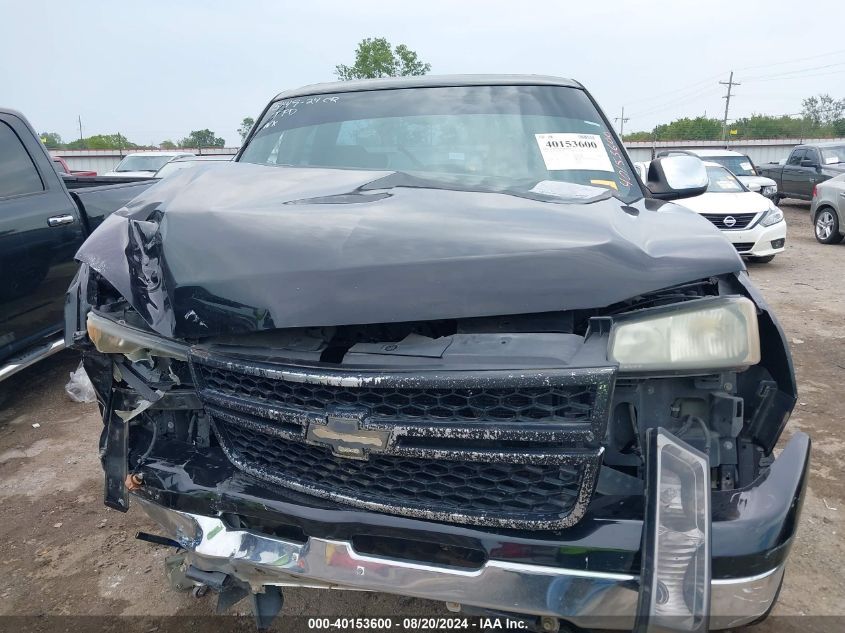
(773, 216)
(704, 334)
(676, 570)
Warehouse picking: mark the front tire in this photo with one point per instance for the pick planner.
(761, 260)
(826, 226)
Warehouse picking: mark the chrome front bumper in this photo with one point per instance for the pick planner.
(585, 598)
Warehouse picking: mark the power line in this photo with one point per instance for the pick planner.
(793, 72)
(805, 76)
(793, 61)
(676, 90)
(676, 102)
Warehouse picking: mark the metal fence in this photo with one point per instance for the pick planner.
(761, 151)
(103, 160)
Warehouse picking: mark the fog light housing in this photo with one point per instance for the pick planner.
(675, 575)
(778, 243)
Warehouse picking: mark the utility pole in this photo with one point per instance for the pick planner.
(730, 83)
(622, 121)
(79, 119)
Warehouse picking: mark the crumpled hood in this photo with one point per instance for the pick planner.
(237, 248)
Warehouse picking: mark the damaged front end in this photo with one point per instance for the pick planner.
(607, 467)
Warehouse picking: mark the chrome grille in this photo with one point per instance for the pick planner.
(516, 449)
(740, 220)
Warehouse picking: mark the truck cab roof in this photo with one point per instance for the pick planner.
(427, 81)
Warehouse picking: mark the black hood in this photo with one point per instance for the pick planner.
(238, 248)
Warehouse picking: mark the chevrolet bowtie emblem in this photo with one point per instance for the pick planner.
(342, 432)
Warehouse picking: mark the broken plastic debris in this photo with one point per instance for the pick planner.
(36, 426)
(797, 341)
(57, 525)
(143, 405)
(79, 387)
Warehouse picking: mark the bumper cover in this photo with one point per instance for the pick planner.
(760, 237)
(742, 591)
(586, 598)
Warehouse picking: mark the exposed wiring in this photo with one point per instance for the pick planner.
(688, 421)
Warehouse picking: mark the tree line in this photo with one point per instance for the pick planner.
(196, 139)
(821, 116)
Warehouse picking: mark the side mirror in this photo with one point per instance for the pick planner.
(674, 177)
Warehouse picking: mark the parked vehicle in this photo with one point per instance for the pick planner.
(62, 167)
(176, 164)
(753, 224)
(42, 224)
(740, 165)
(431, 336)
(144, 163)
(828, 210)
(806, 166)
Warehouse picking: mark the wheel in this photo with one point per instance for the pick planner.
(761, 260)
(826, 226)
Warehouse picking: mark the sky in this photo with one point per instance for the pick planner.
(157, 69)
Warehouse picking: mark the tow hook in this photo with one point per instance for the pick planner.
(134, 482)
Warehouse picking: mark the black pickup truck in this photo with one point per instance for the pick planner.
(44, 219)
(432, 336)
(806, 166)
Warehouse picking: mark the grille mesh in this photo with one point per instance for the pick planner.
(485, 447)
(742, 220)
(428, 485)
(452, 404)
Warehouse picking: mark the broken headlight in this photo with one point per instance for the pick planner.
(111, 337)
(705, 334)
(675, 576)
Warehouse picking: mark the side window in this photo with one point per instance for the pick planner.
(813, 155)
(18, 174)
(796, 157)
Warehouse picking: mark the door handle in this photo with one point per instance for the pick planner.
(59, 220)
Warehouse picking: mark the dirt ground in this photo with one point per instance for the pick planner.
(63, 553)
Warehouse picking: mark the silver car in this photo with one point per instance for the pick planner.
(828, 210)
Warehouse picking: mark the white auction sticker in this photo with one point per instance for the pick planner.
(573, 151)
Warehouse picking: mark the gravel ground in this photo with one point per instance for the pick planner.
(63, 553)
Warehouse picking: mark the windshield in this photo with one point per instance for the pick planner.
(737, 165)
(545, 140)
(722, 181)
(833, 155)
(142, 163)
